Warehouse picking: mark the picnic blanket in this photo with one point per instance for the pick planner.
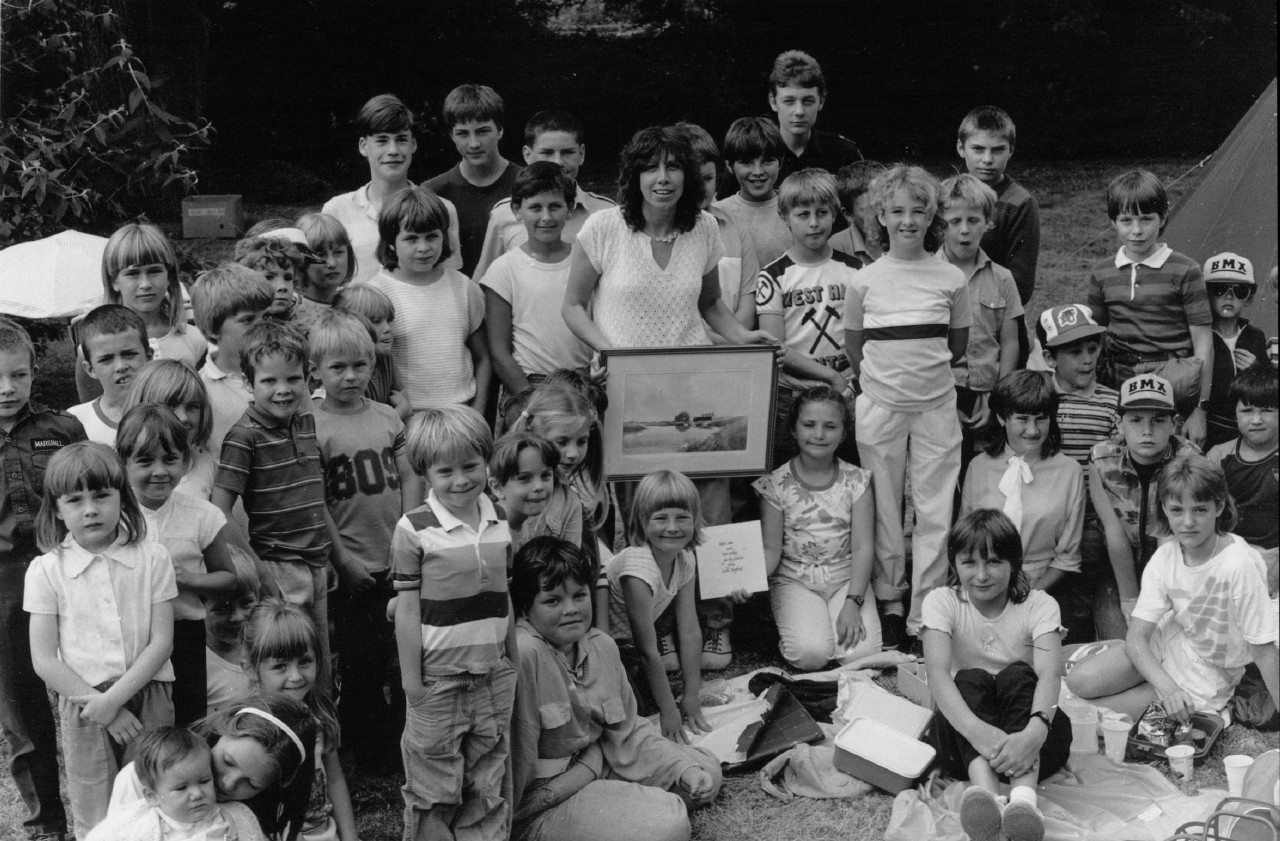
(1093, 799)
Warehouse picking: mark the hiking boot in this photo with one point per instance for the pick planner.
(893, 627)
(980, 814)
(1022, 822)
(667, 652)
(716, 650)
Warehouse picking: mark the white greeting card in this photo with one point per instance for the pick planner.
(731, 558)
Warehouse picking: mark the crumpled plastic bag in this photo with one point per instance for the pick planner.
(809, 771)
(920, 813)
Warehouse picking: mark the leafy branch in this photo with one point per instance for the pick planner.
(82, 138)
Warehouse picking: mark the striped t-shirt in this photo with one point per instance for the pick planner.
(1086, 418)
(906, 309)
(460, 577)
(274, 466)
(1149, 307)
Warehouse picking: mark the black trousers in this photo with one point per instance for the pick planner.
(1002, 700)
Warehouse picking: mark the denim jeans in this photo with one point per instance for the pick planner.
(455, 746)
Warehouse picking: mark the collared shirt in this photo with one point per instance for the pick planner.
(37, 433)
(359, 216)
(1134, 503)
(229, 396)
(993, 300)
(274, 466)
(1148, 307)
(825, 150)
(566, 703)
(506, 231)
(103, 602)
(850, 241)
(185, 526)
(459, 575)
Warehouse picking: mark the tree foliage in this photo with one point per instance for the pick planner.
(83, 134)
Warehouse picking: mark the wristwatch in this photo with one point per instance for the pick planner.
(858, 600)
(1042, 717)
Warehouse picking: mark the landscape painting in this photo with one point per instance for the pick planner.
(703, 411)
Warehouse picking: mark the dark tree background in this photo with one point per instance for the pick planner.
(281, 79)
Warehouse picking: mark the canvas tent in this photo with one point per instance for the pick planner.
(1233, 207)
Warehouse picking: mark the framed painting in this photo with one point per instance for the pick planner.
(704, 411)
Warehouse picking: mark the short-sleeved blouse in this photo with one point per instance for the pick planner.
(638, 304)
(817, 533)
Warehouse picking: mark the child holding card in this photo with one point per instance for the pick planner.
(811, 508)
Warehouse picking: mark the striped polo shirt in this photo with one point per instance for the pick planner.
(274, 467)
(1149, 306)
(460, 576)
(1086, 418)
(905, 309)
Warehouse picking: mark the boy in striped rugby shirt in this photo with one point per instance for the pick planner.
(450, 558)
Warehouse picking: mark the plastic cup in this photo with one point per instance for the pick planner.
(1237, 766)
(1180, 760)
(1115, 737)
(1084, 725)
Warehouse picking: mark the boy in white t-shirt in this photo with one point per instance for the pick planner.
(524, 288)
(800, 301)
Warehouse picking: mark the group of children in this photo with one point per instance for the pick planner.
(180, 529)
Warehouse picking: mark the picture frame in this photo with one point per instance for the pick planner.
(705, 411)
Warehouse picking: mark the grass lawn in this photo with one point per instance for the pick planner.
(1075, 234)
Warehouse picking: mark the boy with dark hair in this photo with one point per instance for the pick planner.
(114, 345)
(797, 92)
(1153, 302)
(524, 287)
(271, 459)
(753, 151)
(1252, 462)
(555, 136)
(476, 183)
(29, 434)
(1071, 342)
(739, 266)
(384, 127)
(1237, 344)
(985, 141)
(859, 240)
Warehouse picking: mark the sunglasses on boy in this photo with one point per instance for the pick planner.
(1239, 290)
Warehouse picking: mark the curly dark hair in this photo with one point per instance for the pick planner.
(648, 146)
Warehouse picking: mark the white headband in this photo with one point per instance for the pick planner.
(302, 751)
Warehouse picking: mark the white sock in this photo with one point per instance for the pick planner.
(1025, 794)
(894, 609)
